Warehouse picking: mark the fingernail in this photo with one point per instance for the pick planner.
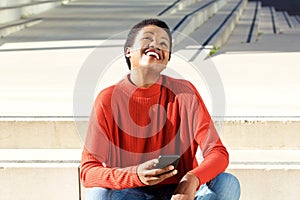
(175, 172)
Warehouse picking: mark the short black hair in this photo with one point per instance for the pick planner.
(135, 30)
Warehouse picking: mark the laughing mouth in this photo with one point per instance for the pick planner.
(152, 54)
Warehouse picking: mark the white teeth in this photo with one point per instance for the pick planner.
(151, 53)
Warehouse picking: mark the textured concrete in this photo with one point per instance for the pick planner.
(47, 183)
(42, 171)
(268, 184)
(62, 134)
(40, 66)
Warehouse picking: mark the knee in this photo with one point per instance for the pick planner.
(231, 180)
(97, 193)
(233, 185)
(228, 186)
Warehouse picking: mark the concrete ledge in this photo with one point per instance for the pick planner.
(12, 13)
(246, 29)
(177, 6)
(40, 157)
(9, 3)
(260, 172)
(37, 183)
(61, 134)
(283, 21)
(9, 28)
(216, 31)
(295, 20)
(189, 19)
(275, 184)
(260, 134)
(268, 23)
(55, 133)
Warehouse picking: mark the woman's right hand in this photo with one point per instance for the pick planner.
(150, 176)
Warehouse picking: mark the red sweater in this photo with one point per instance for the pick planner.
(130, 125)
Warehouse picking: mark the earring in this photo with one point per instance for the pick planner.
(127, 54)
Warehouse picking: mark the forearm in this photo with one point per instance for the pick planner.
(94, 174)
(215, 162)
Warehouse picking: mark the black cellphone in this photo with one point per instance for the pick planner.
(166, 160)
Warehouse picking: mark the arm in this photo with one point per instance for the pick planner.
(214, 153)
(95, 174)
(96, 159)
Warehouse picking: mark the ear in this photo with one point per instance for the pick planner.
(128, 52)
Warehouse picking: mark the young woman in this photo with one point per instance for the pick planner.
(146, 115)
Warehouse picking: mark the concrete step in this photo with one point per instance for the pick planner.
(8, 28)
(24, 10)
(268, 23)
(62, 133)
(216, 31)
(40, 174)
(186, 20)
(36, 173)
(177, 6)
(284, 21)
(273, 184)
(262, 172)
(295, 20)
(89, 20)
(246, 29)
(8, 3)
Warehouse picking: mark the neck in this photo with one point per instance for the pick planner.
(142, 79)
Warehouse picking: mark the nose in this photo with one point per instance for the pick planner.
(153, 44)
(154, 47)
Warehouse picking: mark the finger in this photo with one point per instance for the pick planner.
(168, 174)
(150, 163)
(158, 172)
(152, 180)
(155, 172)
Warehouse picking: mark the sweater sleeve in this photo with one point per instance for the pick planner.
(215, 155)
(96, 174)
(95, 170)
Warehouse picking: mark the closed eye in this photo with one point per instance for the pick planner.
(164, 45)
(147, 38)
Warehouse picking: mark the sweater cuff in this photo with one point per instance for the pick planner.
(137, 178)
(201, 175)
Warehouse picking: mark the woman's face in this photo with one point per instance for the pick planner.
(151, 49)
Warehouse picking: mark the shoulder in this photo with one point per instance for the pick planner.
(103, 98)
(179, 85)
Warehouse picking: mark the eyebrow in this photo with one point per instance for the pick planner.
(153, 34)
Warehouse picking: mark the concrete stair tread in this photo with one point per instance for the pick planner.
(185, 21)
(247, 158)
(45, 155)
(247, 27)
(266, 167)
(218, 26)
(268, 23)
(28, 4)
(283, 21)
(17, 25)
(12, 13)
(295, 20)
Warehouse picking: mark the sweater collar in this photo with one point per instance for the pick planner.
(133, 90)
